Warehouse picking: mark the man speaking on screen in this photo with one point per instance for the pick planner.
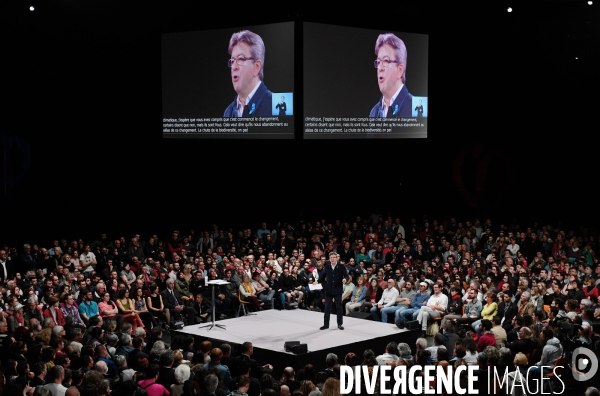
(247, 60)
(334, 278)
(395, 101)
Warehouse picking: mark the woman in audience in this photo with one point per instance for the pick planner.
(466, 349)
(363, 255)
(126, 307)
(537, 297)
(248, 293)
(145, 277)
(493, 355)
(156, 351)
(487, 312)
(107, 308)
(48, 356)
(142, 309)
(183, 287)
(63, 291)
(404, 352)
(358, 295)
(331, 387)
(519, 375)
(156, 306)
(75, 260)
(307, 386)
(128, 276)
(15, 320)
(182, 374)
(369, 358)
(53, 311)
(113, 288)
(590, 288)
(374, 292)
(187, 272)
(59, 346)
(317, 252)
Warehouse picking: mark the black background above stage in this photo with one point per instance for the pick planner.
(83, 153)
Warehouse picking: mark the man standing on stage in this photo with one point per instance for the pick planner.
(335, 277)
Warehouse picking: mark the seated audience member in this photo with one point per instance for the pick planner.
(390, 355)
(487, 338)
(524, 343)
(53, 312)
(174, 303)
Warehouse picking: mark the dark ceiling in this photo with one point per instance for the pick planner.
(82, 92)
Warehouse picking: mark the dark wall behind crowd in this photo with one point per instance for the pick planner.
(512, 122)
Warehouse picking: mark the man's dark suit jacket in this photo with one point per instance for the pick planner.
(10, 270)
(509, 314)
(256, 370)
(260, 105)
(168, 299)
(402, 106)
(333, 279)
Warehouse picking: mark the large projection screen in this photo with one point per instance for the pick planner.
(198, 85)
(342, 87)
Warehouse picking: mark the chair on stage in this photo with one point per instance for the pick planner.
(243, 306)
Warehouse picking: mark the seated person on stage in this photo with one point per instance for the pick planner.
(247, 293)
(402, 303)
(348, 288)
(298, 291)
(231, 290)
(223, 301)
(435, 308)
(472, 309)
(419, 300)
(374, 293)
(202, 308)
(388, 298)
(359, 295)
(183, 287)
(263, 291)
(285, 287)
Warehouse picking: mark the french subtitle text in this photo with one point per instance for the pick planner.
(358, 125)
(219, 125)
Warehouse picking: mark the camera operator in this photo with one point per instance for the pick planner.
(555, 317)
(583, 335)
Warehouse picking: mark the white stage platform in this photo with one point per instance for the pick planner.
(269, 330)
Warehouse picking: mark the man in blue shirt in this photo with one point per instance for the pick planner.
(88, 307)
(419, 300)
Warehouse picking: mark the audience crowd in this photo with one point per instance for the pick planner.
(97, 317)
